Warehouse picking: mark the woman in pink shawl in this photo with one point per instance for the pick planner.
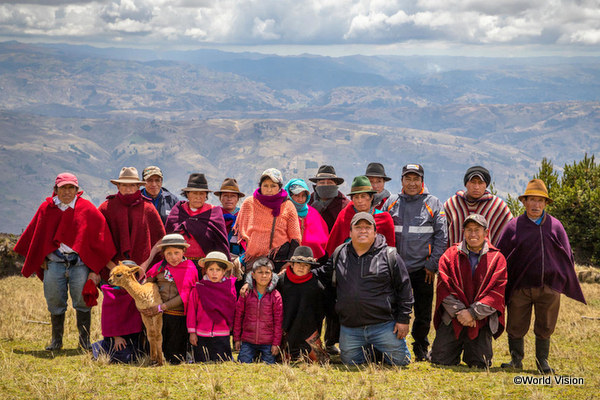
(313, 227)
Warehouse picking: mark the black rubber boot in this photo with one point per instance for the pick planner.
(84, 320)
(517, 352)
(542, 349)
(58, 328)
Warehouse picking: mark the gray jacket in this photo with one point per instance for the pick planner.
(421, 231)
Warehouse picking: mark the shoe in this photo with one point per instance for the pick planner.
(84, 320)
(542, 348)
(420, 353)
(517, 352)
(58, 328)
(332, 350)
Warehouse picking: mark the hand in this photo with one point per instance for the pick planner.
(194, 339)
(401, 330)
(465, 318)
(237, 345)
(45, 264)
(244, 290)
(274, 350)
(151, 311)
(119, 343)
(94, 277)
(110, 265)
(429, 276)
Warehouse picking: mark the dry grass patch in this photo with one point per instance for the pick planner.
(29, 372)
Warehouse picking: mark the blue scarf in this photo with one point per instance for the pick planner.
(302, 209)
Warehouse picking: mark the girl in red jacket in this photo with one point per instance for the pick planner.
(211, 310)
(259, 316)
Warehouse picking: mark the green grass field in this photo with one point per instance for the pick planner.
(29, 372)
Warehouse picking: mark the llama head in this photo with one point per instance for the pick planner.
(121, 274)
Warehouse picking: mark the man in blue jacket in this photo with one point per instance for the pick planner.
(374, 298)
(421, 239)
(162, 199)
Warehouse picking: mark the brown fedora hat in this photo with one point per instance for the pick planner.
(327, 172)
(197, 183)
(229, 185)
(536, 187)
(128, 175)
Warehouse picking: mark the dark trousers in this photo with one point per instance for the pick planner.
(175, 338)
(545, 301)
(217, 348)
(332, 320)
(477, 352)
(423, 295)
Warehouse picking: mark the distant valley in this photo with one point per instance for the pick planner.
(93, 111)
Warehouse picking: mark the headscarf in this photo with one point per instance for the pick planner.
(302, 209)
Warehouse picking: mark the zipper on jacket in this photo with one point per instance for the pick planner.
(543, 258)
(257, 317)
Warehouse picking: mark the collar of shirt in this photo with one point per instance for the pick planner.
(63, 206)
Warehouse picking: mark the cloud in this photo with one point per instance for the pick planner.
(306, 22)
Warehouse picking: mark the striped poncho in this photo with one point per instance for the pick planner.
(493, 208)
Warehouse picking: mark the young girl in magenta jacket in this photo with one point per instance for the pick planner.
(259, 316)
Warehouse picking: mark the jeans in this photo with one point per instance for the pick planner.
(248, 351)
(380, 336)
(61, 277)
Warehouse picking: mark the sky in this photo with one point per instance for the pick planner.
(326, 27)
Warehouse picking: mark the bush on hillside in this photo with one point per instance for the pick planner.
(576, 196)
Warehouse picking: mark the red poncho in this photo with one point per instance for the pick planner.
(82, 228)
(487, 285)
(135, 228)
(341, 229)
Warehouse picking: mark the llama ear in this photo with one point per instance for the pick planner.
(133, 270)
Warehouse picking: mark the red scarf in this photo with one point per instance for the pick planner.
(341, 229)
(273, 202)
(82, 228)
(295, 278)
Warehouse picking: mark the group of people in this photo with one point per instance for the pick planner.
(269, 271)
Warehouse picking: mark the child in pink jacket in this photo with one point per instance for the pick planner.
(211, 310)
(259, 316)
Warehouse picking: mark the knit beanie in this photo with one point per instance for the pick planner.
(480, 171)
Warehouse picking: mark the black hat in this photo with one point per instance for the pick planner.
(479, 171)
(327, 172)
(376, 170)
(304, 254)
(196, 183)
(413, 169)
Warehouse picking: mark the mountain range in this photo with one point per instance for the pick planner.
(92, 111)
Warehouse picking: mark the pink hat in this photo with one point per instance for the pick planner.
(66, 179)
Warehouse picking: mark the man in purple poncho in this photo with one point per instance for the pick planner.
(540, 267)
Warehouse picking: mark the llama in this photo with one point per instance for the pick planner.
(145, 296)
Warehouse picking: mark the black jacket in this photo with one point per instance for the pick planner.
(368, 292)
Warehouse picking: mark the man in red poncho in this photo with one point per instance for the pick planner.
(469, 307)
(67, 242)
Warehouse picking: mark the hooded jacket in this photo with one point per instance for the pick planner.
(420, 226)
(259, 321)
(368, 290)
